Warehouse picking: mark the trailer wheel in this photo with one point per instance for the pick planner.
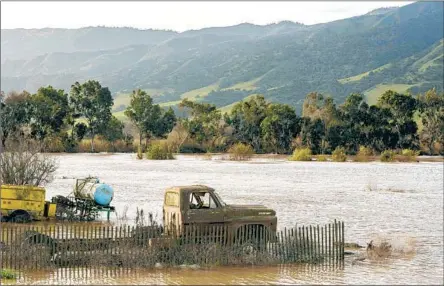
(20, 216)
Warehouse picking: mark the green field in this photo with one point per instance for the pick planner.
(227, 108)
(200, 92)
(372, 95)
(362, 75)
(247, 85)
(125, 98)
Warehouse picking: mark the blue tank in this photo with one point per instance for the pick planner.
(103, 194)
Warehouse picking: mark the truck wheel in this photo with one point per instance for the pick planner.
(251, 241)
(20, 216)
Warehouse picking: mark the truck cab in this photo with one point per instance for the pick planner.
(202, 206)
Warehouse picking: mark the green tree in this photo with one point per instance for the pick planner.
(142, 112)
(312, 133)
(246, 118)
(93, 102)
(150, 119)
(316, 106)
(431, 107)
(15, 112)
(50, 112)
(401, 108)
(354, 114)
(279, 127)
(312, 105)
(204, 123)
(79, 131)
(166, 123)
(113, 130)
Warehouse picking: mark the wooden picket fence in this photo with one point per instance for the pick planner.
(92, 246)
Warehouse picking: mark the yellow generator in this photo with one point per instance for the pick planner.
(24, 203)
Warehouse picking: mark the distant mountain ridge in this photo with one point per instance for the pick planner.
(284, 61)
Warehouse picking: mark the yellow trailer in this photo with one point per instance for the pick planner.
(25, 203)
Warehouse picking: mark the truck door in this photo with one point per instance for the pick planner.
(203, 208)
(171, 212)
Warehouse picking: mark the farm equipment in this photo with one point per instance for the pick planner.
(27, 203)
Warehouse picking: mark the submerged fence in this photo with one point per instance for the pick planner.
(26, 247)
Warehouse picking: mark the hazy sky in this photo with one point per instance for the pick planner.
(177, 16)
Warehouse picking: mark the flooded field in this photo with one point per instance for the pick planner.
(399, 202)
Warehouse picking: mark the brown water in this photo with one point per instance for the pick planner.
(399, 202)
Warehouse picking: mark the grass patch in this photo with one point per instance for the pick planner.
(125, 98)
(321, 158)
(301, 154)
(228, 108)
(338, 155)
(121, 116)
(373, 95)
(362, 75)
(7, 274)
(200, 92)
(101, 145)
(387, 156)
(247, 85)
(408, 155)
(240, 152)
(169, 103)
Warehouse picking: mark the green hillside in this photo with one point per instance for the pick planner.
(397, 47)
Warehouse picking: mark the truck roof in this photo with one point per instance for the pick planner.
(189, 188)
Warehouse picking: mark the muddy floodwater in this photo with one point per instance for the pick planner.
(398, 202)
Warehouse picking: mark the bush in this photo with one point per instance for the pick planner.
(240, 152)
(387, 156)
(409, 155)
(7, 274)
(338, 155)
(301, 154)
(159, 151)
(321, 158)
(363, 154)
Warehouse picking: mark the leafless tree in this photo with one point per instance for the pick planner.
(22, 163)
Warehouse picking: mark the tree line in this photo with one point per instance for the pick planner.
(85, 113)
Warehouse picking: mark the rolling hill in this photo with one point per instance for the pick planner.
(393, 47)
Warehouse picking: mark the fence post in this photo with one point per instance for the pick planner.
(343, 243)
(329, 243)
(312, 245)
(337, 242)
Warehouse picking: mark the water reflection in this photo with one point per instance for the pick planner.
(283, 274)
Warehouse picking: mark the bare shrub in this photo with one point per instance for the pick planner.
(22, 163)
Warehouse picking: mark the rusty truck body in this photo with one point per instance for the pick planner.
(199, 205)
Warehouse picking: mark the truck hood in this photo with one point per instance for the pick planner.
(248, 210)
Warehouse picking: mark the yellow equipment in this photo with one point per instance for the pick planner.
(24, 203)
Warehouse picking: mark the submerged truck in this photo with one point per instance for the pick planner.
(201, 206)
